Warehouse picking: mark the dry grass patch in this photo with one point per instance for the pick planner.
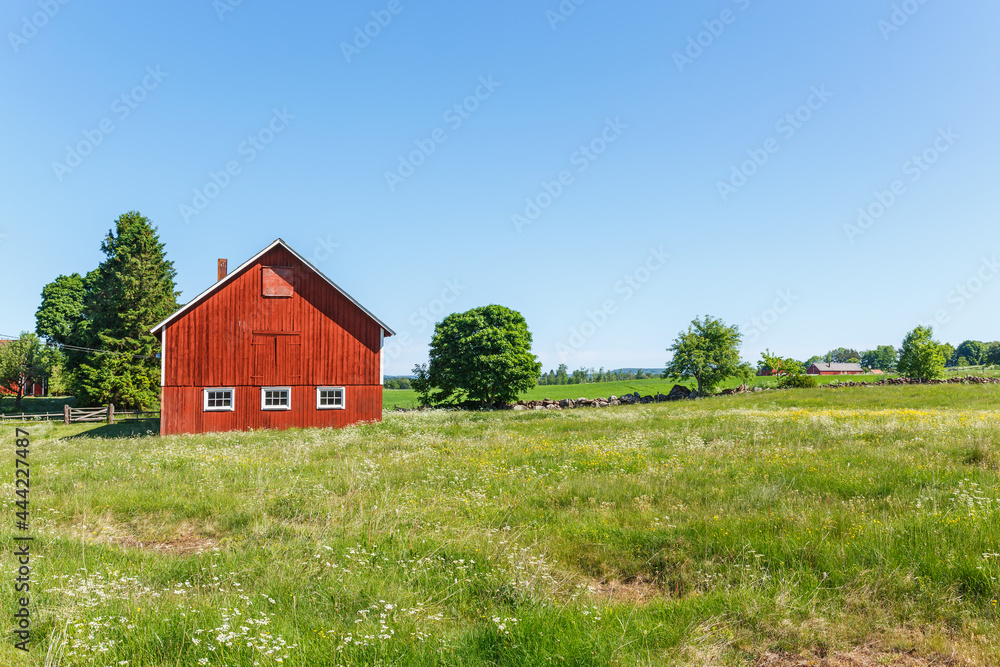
(637, 591)
(182, 545)
(183, 539)
(864, 656)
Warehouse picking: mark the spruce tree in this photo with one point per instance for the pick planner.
(131, 291)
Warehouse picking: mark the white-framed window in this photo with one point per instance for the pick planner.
(218, 399)
(329, 398)
(275, 398)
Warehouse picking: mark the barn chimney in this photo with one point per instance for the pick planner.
(223, 268)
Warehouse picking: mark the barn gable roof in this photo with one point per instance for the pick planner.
(277, 242)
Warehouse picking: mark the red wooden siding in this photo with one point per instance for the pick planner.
(237, 337)
(183, 412)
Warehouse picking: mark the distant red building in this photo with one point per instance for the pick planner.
(32, 387)
(274, 344)
(823, 368)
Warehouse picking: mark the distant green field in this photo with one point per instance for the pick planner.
(32, 404)
(407, 398)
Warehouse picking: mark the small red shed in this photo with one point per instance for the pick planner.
(274, 344)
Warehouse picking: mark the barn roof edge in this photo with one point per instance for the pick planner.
(162, 325)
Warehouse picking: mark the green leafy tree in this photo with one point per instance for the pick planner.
(974, 351)
(421, 383)
(948, 352)
(843, 355)
(397, 383)
(708, 352)
(883, 357)
(778, 365)
(60, 315)
(61, 320)
(921, 357)
(745, 373)
(789, 371)
(23, 361)
(131, 290)
(993, 353)
(57, 378)
(483, 355)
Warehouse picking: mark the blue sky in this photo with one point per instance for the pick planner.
(612, 170)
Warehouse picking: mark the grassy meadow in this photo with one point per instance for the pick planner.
(778, 528)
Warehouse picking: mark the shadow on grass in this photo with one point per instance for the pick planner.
(129, 429)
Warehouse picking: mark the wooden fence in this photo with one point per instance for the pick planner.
(76, 415)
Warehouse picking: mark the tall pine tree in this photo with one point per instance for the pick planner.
(130, 291)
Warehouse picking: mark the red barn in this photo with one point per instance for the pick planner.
(274, 344)
(823, 368)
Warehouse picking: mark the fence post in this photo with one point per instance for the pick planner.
(66, 414)
(111, 413)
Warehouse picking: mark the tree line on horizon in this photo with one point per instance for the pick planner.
(885, 357)
(583, 375)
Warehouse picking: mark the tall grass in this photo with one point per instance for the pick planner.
(700, 532)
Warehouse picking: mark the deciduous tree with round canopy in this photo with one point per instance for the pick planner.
(709, 352)
(921, 357)
(483, 355)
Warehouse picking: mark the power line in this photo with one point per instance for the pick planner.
(77, 348)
